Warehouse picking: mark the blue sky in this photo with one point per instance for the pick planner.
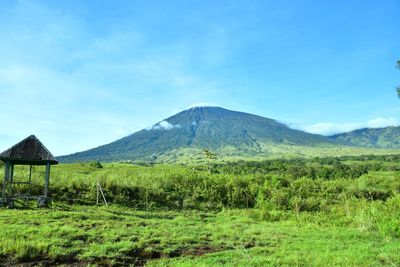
(79, 74)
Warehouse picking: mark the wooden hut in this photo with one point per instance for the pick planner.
(29, 151)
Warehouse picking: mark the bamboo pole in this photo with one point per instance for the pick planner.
(97, 193)
(102, 193)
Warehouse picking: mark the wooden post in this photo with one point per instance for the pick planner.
(46, 180)
(11, 179)
(6, 175)
(102, 193)
(30, 181)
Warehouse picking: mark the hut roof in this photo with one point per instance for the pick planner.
(29, 151)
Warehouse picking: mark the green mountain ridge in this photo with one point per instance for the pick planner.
(387, 137)
(234, 135)
(213, 128)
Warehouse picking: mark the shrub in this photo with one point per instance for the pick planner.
(96, 164)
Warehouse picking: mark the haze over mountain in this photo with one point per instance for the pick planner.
(388, 137)
(211, 128)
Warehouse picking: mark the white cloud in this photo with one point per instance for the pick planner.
(329, 128)
(382, 122)
(163, 125)
(68, 100)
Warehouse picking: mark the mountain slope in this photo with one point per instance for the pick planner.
(388, 137)
(199, 128)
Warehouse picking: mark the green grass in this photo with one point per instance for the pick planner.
(117, 235)
(314, 212)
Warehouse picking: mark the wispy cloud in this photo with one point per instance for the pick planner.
(67, 82)
(83, 73)
(329, 128)
(163, 125)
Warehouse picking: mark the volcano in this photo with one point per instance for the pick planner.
(201, 128)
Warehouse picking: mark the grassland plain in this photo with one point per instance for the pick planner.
(266, 150)
(323, 211)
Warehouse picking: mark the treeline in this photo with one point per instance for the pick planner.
(295, 169)
(382, 158)
(317, 168)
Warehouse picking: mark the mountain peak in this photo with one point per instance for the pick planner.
(201, 105)
(210, 108)
(197, 128)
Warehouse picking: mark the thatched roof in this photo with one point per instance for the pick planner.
(28, 151)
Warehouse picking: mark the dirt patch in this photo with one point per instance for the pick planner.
(138, 257)
(44, 263)
(201, 251)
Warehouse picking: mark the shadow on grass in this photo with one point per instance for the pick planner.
(142, 216)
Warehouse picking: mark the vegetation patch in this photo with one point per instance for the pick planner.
(321, 211)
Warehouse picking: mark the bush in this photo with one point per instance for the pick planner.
(96, 164)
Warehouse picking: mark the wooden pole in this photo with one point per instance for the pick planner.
(102, 193)
(46, 180)
(30, 181)
(6, 174)
(11, 178)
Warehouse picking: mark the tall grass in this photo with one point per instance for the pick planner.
(360, 191)
(330, 211)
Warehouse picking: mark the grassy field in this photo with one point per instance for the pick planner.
(323, 211)
(116, 235)
(268, 151)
